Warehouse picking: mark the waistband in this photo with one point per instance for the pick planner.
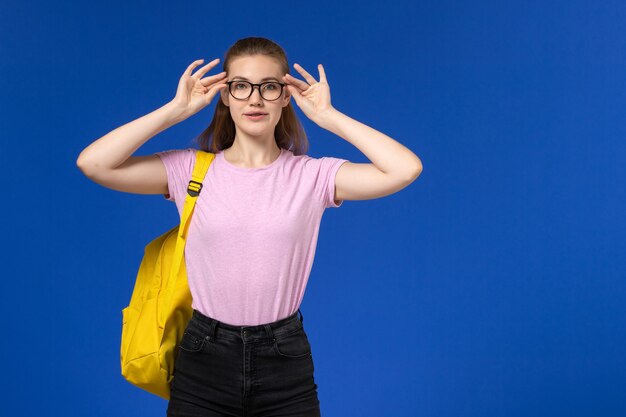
(212, 327)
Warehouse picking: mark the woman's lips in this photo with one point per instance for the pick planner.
(259, 117)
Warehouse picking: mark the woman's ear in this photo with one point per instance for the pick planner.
(224, 96)
(287, 96)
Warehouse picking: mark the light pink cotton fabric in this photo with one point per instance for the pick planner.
(252, 238)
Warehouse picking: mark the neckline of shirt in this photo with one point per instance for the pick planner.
(232, 167)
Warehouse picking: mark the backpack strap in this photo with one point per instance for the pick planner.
(200, 168)
(203, 160)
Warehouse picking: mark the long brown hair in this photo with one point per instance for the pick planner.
(220, 134)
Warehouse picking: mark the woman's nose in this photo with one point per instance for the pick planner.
(257, 89)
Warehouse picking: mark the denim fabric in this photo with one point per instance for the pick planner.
(262, 371)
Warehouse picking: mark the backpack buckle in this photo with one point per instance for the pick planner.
(194, 189)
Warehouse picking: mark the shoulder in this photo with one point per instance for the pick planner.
(311, 163)
(178, 153)
(178, 157)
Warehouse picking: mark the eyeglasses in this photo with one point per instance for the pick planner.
(242, 90)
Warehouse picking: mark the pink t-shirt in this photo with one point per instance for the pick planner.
(252, 238)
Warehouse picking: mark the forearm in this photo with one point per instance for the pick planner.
(388, 155)
(112, 149)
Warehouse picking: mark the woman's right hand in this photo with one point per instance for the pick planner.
(194, 92)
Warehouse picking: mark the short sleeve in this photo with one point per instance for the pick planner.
(179, 166)
(327, 167)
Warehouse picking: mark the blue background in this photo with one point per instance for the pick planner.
(491, 286)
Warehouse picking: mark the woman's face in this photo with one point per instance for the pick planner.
(254, 69)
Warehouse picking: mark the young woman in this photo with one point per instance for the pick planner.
(252, 238)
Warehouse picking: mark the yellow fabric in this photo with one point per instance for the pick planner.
(160, 307)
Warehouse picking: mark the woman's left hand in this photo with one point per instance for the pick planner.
(312, 97)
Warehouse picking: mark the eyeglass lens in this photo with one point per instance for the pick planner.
(243, 89)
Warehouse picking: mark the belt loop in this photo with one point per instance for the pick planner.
(301, 316)
(268, 330)
(212, 327)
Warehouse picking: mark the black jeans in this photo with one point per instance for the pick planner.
(262, 371)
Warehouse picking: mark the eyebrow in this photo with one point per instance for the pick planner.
(264, 79)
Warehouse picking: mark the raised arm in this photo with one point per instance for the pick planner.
(393, 165)
(108, 160)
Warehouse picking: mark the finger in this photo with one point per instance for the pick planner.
(217, 87)
(293, 88)
(192, 66)
(320, 67)
(308, 77)
(200, 73)
(295, 93)
(294, 81)
(214, 78)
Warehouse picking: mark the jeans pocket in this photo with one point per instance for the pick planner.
(192, 342)
(293, 345)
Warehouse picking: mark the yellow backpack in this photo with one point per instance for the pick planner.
(160, 307)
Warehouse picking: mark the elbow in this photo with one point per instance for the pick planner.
(415, 172)
(419, 171)
(418, 167)
(80, 161)
(85, 166)
(82, 165)
(409, 177)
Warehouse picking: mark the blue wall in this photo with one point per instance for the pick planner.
(494, 285)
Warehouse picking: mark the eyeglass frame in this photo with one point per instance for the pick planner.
(282, 87)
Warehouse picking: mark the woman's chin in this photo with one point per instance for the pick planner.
(258, 130)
